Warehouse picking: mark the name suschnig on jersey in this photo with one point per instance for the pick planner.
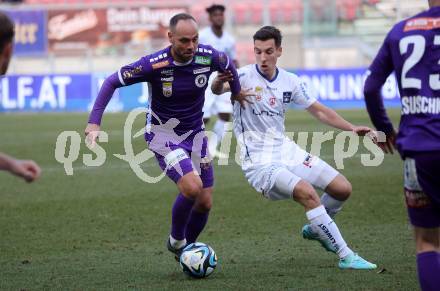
(420, 104)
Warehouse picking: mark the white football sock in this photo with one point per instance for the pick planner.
(177, 244)
(332, 205)
(219, 130)
(328, 230)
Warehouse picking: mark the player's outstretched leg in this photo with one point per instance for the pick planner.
(327, 230)
(190, 187)
(199, 215)
(337, 192)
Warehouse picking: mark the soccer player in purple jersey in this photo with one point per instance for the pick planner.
(178, 76)
(412, 50)
(26, 169)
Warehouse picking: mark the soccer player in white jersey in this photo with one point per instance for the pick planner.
(273, 164)
(215, 36)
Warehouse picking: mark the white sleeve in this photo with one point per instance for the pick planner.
(233, 49)
(243, 74)
(301, 93)
(203, 37)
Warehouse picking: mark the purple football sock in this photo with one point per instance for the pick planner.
(196, 223)
(180, 216)
(428, 266)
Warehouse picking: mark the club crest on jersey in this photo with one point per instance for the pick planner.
(202, 60)
(287, 96)
(201, 80)
(201, 70)
(167, 89)
(272, 101)
(258, 93)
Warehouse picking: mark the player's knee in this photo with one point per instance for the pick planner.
(191, 189)
(305, 194)
(204, 204)
(346, 190)
(340, 188)
(427, 239)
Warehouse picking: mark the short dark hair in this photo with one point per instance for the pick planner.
(269, 32)
(214, 7)
(6, 30)
(176, 18)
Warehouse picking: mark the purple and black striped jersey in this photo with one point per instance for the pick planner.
(412, 50)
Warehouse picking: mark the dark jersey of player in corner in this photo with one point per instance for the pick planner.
(412, 50)
(176, 90)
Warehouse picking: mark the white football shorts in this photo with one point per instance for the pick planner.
(277, 180)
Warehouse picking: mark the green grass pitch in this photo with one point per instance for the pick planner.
(103, 228)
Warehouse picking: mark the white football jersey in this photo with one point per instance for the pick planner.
(225, 43)
(259, 127)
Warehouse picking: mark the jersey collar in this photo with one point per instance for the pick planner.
(262, 75)
(176, 63)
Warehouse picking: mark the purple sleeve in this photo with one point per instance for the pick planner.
(223, 63)
(139, 71)
(379, 71)
(235, 83)
(105, 94)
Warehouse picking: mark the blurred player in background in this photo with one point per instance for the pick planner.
(276, 166)
(178, 76)
(221, 40)
(412, 50)
(26, 169)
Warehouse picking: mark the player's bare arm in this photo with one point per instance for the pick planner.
(26, 169)
(220, 85)
(330, 117)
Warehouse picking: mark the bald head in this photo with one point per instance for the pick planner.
(181, 17)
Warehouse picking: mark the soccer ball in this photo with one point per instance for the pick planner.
(198, 260)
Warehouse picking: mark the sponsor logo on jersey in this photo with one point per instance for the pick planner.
(167, 72)
(202, 60)
(130, 73)
(287, 96)
(201, 70)
(201, 80)
(267, 113)
(272, 101)
(423, 23)
(271, 88)
(160, 64)
(167, 89)
(168, 79)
